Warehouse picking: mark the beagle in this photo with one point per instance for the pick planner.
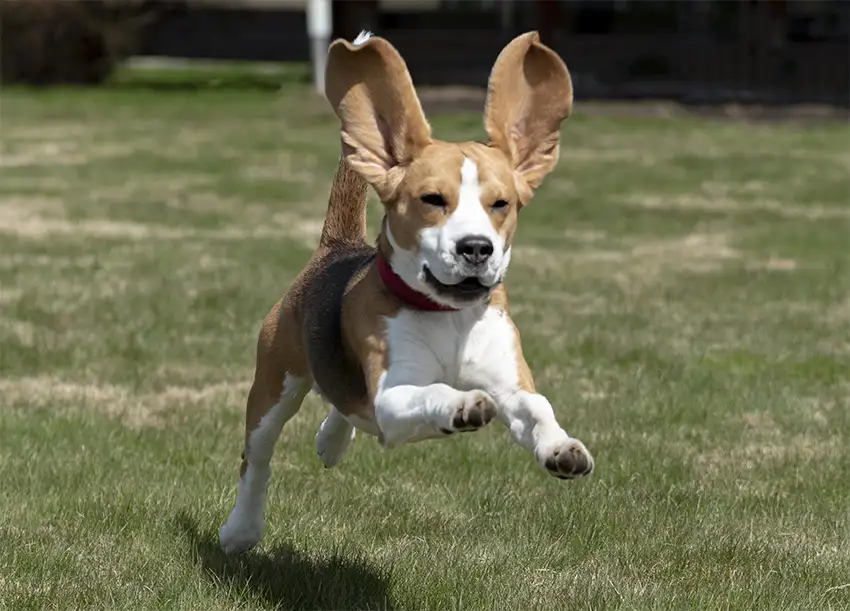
(411, 339)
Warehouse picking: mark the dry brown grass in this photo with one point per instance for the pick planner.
(124, 404)
(23, 219)
(635, 259)
(721, 203)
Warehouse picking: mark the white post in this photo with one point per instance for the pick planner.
(319, 25)
(507, 14)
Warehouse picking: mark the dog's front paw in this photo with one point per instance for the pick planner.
(566, 459)
(475, 410)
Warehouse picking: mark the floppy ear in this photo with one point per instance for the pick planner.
(383, 126)
(528, 96)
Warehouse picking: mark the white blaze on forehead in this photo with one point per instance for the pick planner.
(470, 218)
(469, 177)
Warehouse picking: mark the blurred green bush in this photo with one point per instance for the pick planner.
(49, 42)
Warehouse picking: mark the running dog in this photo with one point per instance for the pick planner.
(411, 339)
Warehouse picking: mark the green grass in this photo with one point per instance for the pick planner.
(683, 290)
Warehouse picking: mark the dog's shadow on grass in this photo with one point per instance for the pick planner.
(288, 579)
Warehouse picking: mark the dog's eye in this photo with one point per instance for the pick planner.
(500, 204)
(434, 199)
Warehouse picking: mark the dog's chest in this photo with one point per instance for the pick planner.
(466, 349)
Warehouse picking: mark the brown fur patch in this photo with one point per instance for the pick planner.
(367, 306)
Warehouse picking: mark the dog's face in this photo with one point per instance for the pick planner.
(451, 222)
(451, 209)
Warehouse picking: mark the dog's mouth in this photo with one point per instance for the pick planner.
(466, 291)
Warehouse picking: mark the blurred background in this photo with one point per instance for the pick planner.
(701, 51)
(682, 284)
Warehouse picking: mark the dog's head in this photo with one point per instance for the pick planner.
(451, 208)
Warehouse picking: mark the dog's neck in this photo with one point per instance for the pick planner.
(398, 287)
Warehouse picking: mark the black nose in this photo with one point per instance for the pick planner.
(475, 248)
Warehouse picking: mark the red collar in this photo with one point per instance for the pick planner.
(407, 294)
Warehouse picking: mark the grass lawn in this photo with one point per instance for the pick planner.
(683, 289)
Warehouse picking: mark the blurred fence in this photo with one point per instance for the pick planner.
(705, 51)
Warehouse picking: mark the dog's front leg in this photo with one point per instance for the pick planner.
(531, 420)
(495, 363)
(406, 413)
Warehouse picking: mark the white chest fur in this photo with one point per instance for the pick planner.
(452, 372)
(473, 348)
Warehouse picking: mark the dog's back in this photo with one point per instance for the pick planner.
(342, 254)
(336, 375)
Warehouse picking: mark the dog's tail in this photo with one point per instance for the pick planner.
(345, 222)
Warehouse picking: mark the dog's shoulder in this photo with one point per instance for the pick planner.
(365, 309)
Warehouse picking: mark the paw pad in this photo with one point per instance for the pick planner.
(570, 460)
(476, 412)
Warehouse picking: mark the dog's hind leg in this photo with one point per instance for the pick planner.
(279, 388)
(334, 436)
(244, 527)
